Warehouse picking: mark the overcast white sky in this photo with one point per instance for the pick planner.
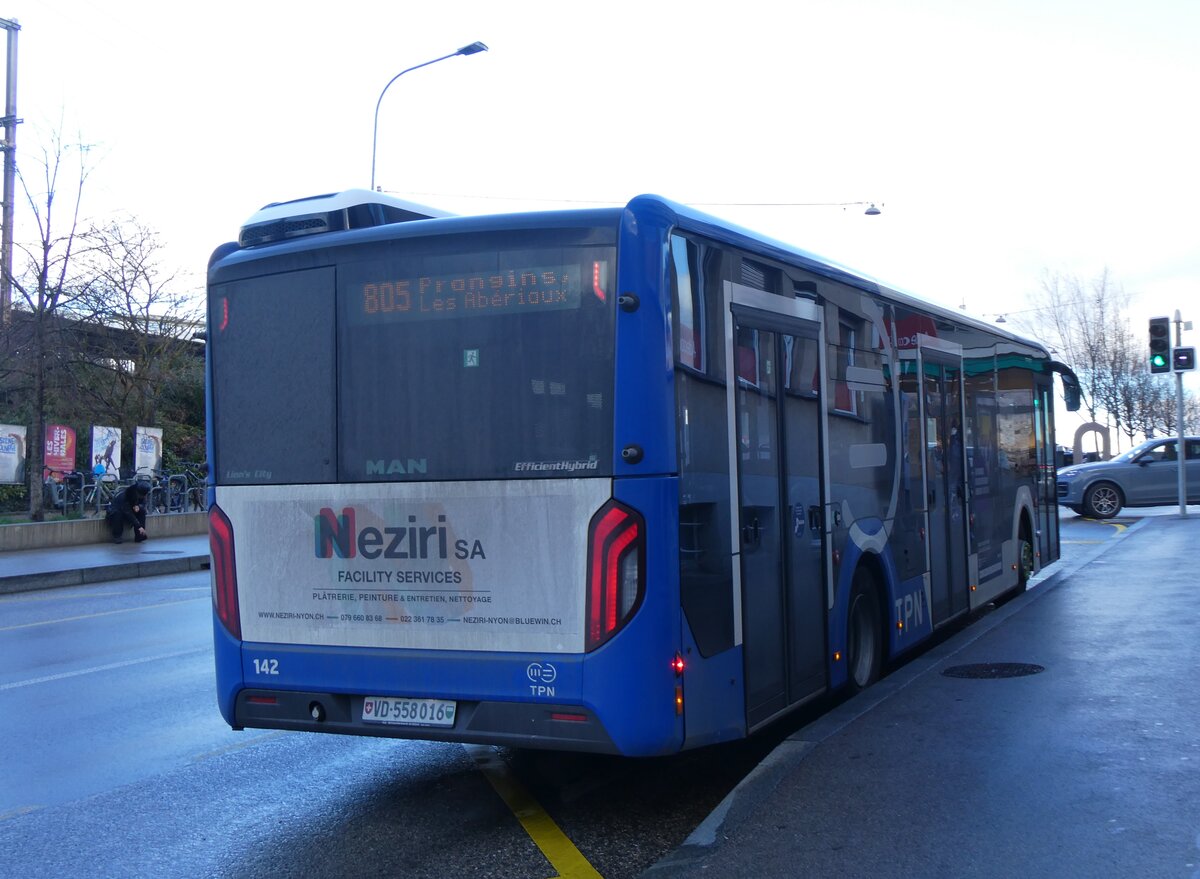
(1001, 139)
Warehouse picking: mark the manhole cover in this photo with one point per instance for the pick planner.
(993, 670)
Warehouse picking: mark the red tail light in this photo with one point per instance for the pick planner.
(225, 598)
(616, 570)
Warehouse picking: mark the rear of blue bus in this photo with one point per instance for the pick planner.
(418, 527)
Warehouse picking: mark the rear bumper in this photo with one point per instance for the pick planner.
(523, 724)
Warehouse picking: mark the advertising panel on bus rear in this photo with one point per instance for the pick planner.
(497, 566)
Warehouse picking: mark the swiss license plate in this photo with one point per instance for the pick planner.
(408, 712)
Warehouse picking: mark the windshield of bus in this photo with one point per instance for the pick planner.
(452, 358)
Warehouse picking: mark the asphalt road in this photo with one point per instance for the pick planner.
(116, 763)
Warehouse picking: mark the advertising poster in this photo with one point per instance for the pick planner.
(147, 450)
(106, 451)
(426, 566)
(12, 454)
(60, 448)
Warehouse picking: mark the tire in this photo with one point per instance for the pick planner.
(1024, 561)
(1102, 501)
(864, 641)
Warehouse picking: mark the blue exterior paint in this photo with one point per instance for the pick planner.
(714, 694)
(227, 653)
(630, 678)
(910, 606)
(644, 396)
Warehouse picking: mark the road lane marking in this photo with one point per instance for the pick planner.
(238, 746)
(100, 613)
(18, 812)
(553, 843)
(59, 594)
(98, 668)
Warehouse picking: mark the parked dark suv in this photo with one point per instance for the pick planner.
(1145, 476)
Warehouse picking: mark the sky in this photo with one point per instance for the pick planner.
(1001, 140)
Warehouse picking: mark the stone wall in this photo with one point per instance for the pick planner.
(79, 532)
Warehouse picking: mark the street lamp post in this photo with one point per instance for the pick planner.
(465, 50)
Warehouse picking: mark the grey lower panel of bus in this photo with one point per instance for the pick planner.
(518, 724)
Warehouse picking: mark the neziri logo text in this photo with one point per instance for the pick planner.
(338, 535)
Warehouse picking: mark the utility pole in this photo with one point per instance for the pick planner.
(9, 147)
(1181, 449)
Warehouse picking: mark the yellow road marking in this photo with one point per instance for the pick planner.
(18, 812)
(101, 613)
(558, 850)
(256, 740)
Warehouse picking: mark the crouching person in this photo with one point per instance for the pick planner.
(128, 508)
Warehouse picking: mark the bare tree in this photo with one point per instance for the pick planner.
(49, 286)
(1088, 323)
(144, 324)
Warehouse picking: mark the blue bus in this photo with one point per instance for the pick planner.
(627, 480)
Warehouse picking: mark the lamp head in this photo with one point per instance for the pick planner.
(872, 211)
(472, 49)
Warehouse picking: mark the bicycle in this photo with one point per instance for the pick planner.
(63, 491)
(158, 500)
(99, 494)
(196, 475)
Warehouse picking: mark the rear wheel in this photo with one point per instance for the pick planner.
(864, 644)
(1102, 501)
(1024, 560)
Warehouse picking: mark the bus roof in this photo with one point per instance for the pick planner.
(374, 215)
(333, 211)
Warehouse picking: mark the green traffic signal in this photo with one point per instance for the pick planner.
(1160, 344)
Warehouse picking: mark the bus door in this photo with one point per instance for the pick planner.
(1043, 414)
(945, 478)
(778, 475)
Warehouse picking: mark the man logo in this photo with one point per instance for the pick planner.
(382, 467)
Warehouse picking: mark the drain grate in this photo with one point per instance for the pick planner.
(162, 552)
(993, 670)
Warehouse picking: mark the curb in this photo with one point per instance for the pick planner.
(102, 574)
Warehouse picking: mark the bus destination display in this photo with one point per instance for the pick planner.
(468, 294)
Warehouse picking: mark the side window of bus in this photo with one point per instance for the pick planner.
(705, 554)
(849, 330)
(690, 347)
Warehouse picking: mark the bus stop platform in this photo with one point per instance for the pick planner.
(28, 569)
(1058, 735)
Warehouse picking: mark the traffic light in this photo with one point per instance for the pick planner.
(1185, 358)
(1160, 344)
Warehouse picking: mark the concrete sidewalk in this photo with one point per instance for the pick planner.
(1087, 764)
(25, 570)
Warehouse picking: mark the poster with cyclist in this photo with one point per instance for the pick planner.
(106, 451)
